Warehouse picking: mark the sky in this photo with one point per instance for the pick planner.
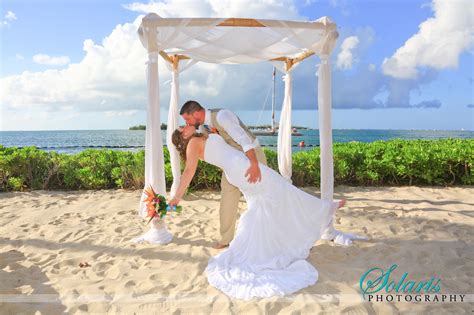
(78, 64)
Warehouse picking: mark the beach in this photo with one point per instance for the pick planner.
(45, 235)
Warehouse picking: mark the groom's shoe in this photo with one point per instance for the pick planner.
(219, 246)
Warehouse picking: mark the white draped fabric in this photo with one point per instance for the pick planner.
(284, 131)
(154, 161)
(173, 121)
(326, 151)
(202, 39)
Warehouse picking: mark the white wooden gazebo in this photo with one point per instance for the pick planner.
(184, 41)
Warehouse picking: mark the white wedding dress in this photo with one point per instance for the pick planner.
(274, 236)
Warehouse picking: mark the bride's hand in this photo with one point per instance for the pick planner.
(174, 201)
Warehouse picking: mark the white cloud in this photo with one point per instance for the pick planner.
(371, 89)
(10, 16)
(111, 76)
(172, 8)
(439, 42)
(345, 56)
(343, 5)
(268, 9)
(120, 113)
(43, 59)
(19, 57)
(111, 71)
(309, 2)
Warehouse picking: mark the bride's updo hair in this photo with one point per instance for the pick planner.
(181, 144)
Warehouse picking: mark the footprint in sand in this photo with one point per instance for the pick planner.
(358, 309)
(50, 205)
(393, 229)
(65, 237)
(185, 222)
(90, 220)
(185, 234)
(58, 221)
(113, 273)
(102, 267)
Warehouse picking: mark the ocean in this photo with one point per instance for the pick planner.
(74, 141)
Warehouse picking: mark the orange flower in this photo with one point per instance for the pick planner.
(151, 212)
(150, 194)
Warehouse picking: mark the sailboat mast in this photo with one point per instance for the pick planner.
(273, 102)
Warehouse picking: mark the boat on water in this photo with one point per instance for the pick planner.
(273, 131)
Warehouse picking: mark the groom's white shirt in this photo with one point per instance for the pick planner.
(229, 121)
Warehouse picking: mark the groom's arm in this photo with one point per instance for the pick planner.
(229, 121)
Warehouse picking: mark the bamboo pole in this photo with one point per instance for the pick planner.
(174, 61)
(166, 57)
(241, 22)
(302, 56)
(154, 21)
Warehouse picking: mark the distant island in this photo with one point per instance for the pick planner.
(264, 127)
(143, 127)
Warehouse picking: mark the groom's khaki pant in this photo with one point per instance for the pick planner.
(230, 196)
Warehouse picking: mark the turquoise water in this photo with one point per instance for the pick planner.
(73, 141)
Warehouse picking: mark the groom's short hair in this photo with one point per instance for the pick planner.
(190, 107)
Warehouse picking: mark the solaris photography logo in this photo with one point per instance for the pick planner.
(378, 285)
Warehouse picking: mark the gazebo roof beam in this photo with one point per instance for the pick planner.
(241, 22)
(290, 62)
(175, 58)
(166, 57)
(236, 22)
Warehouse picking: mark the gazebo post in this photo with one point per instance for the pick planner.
(154, 160)
(325, 129)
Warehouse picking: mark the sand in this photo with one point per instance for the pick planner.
(45, 235)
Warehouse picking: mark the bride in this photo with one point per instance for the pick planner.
(274, 236)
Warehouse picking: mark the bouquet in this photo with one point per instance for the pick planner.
(156, 205)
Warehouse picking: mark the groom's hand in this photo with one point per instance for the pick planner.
(253, 173)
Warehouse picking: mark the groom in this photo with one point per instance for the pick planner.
(236, 134)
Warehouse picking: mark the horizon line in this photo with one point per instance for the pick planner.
(411, 129)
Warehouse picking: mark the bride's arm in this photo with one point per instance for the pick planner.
(192, 159)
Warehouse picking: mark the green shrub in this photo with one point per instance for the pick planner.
(394, 162)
